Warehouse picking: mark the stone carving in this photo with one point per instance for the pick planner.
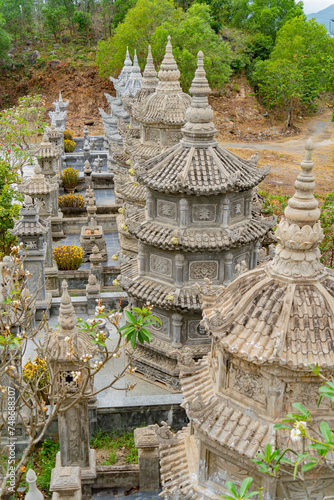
(249, 384)
(161, 265)
(162, 327)
(221, 470)
(241, 263)
(198, 270)
(195, 330)
(166, 209)
(204, 213)
(164, 434)
(307, 394)
(315, 489)
(237, 208)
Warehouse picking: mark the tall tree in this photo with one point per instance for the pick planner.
(266, 16)
(136, 31)
(4, 39)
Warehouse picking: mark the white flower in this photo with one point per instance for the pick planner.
(67, 339)
(295, 435)
(301, 426)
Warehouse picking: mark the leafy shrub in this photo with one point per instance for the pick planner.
(71, 200)
(69, 146)
(68, 135)
(68, 257)
(70, 177)
(46, 460)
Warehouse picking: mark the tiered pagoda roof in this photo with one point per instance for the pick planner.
(279, 317)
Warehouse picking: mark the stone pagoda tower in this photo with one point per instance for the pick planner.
(198, 227)
(45, 192)
(31, 230)
(131, 133)
(161, 116)
(268, 327)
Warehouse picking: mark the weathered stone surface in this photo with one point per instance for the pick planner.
(34, 56)
(148, 458)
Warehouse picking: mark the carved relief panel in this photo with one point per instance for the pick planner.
(196, 331)
(198, 270)
(166, 209)
(237, 209)
(163, 327)
(171, 137)
(220, 470)
(316, 489)
(161, 265)
(204, 213)
(248, 384)
(307, 394)
(153, 135)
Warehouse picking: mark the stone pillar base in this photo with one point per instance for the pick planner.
(52, 281)
(57, 225)
(65, 483)
(148, 458)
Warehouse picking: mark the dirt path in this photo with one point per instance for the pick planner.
(285, 156)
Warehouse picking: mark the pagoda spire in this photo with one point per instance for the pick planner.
(67, 318)
(150, 80)
(169, 73)
(297, 254)
(199, 129)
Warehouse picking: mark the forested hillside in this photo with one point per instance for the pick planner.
(287, 59)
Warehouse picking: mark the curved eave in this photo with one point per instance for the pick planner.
(200, 239)
(146, 289)
(200, 171)
(270, 321)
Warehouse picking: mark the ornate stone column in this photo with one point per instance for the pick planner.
(73, 424)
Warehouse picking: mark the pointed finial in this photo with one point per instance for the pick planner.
(200, 84)
(303, 208)
(127, 60)
(150, 80)
(45, 138)
(60, 96)
(65, 298)
(200, 111)
(169, 73)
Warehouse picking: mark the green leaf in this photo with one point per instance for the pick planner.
(326, 432)
(281, 426)
(130, 317)
(301, 408)
(231, 488)
(245, 485)
(309, 466)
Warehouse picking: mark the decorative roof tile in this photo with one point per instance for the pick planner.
(199, 240)
(198, 165)
(185, 298)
